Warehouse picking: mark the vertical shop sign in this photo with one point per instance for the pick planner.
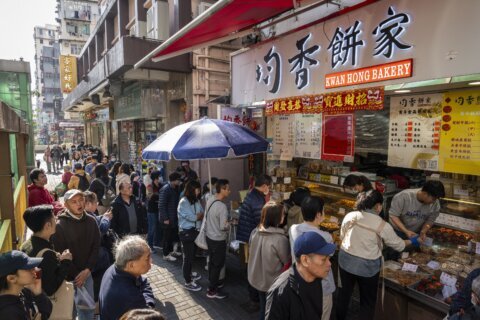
(460, 138)
(338, 138)
(414, 131)
(284, 137)
(68, 73)
(308, 137)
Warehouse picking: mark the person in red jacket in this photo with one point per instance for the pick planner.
(38, 194)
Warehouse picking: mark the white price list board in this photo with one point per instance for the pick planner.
(308, 138)
(284, 136)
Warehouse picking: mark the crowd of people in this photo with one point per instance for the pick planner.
(95, 248)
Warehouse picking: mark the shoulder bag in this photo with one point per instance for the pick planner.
(201, 239)
(62, 299)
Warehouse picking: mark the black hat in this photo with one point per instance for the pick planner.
(15, 260)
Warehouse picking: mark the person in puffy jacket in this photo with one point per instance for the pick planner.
(269, 251)
(167, 205)
(250, 213)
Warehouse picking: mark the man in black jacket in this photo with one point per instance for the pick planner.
(127, 213)
(295, 294)
(250, 213)
(41, 221)
(21, 296)
(167, 206)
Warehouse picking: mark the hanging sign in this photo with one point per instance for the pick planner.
(331, 103)
(414, 131)
(68, 73)
(338, 137)
(460, 138)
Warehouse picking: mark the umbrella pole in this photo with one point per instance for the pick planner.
(209, 177)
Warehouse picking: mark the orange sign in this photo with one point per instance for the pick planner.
(382, 72)
(68, 73)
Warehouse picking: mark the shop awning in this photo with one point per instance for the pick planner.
(221, 22)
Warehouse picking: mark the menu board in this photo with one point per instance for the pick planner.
(338, 137)
(308, 137)
(460, 138)
(284, 136)
(414, 131)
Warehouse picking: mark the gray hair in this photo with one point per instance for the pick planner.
(476, 286)
(129, 248)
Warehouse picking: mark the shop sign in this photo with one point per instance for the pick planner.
(377, 42)
(127, 126)
(330, 103)
(414, 131)
(460, 136)
(128, 105)
(238, 116)
(387, 71)
(68, 73)
(338, 137)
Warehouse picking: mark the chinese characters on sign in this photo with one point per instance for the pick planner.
(344, 49)
(308, 138)
(460, 137)
(336, 102)
(338, 137)
(414, 131)
(284, 137)
(68, 73)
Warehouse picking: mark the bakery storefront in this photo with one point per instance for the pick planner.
(390, 91)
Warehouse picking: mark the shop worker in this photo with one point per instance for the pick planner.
(413, 211)
(294, 295)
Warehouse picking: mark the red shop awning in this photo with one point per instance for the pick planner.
(221, 22)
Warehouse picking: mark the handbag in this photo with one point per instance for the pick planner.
(201, 239)
(108, 194)
(62, 299)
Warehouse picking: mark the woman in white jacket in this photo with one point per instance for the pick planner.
(363, 233)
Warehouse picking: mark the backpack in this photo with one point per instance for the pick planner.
(83, 183)
(108, 194)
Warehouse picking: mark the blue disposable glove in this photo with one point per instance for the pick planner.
(414, 241)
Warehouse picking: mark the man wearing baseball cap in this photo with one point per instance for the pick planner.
(21, 294)
(78, 232)
(295, 294)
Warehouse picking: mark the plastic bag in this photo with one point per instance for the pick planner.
(83, 299)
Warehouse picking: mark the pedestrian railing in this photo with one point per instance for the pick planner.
(20, 204)
(5, 236)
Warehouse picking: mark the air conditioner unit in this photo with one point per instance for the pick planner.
(203, 6)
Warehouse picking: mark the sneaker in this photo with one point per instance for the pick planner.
(192, 286)
(220, 284)
(196, 276)
(176, 253)
(169, 258)
(216, 295)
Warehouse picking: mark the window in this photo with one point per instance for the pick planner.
(41, 41)
(75, 49)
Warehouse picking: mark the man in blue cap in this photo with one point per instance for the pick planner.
(21, 294)
(295, 294)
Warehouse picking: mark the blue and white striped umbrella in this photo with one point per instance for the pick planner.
(205, 139)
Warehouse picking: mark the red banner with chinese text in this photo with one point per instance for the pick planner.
(330, 103)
